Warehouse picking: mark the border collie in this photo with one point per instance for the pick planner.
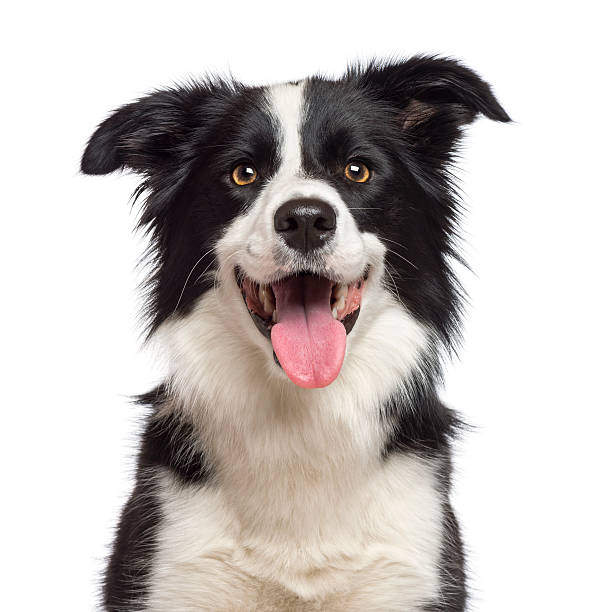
(297, 456)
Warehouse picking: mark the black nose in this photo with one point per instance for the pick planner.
(305, 224)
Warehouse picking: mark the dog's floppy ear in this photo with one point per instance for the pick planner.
(144, 135)
(436, 96)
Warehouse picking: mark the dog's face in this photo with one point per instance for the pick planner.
(311, 202)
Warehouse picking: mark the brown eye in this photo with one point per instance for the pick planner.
(357, 172)
(244, 174)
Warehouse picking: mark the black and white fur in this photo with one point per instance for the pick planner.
(253, 493)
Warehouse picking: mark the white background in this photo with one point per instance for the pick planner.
(528, 486)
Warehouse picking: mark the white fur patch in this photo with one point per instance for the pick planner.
(287, 107)
(365, 538)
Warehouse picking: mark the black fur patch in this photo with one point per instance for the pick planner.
(168, 443)
(403, 121)
(171, 442)
(424, 426)
(453, 592)
(185, 143)
(127, 573)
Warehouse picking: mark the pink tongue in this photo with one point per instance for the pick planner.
(309, 343)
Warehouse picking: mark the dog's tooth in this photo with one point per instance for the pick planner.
(275, 315)
(265, 296)
(334, 313)
(341, 291)
(340, 303)
(269, 307)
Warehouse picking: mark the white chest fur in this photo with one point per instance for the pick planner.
(370, 542)
(302, 513)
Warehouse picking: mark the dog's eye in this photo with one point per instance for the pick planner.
(357, 172)
(244, 174)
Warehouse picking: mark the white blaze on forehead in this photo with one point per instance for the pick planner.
(287, 107)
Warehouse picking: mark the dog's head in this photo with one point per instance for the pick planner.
(300, 212)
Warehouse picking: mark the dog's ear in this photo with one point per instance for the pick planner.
(144, 135)
(435, 96)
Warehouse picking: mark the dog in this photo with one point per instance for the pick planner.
(303, 238)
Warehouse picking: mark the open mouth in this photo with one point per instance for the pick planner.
(307, 318)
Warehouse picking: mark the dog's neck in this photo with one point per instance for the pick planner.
(267, 436)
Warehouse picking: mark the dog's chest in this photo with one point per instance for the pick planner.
(318, 541)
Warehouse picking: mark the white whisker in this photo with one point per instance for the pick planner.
(394, 242)
(393, 283)
(403, 258)
(223, 262)
(188, 277)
